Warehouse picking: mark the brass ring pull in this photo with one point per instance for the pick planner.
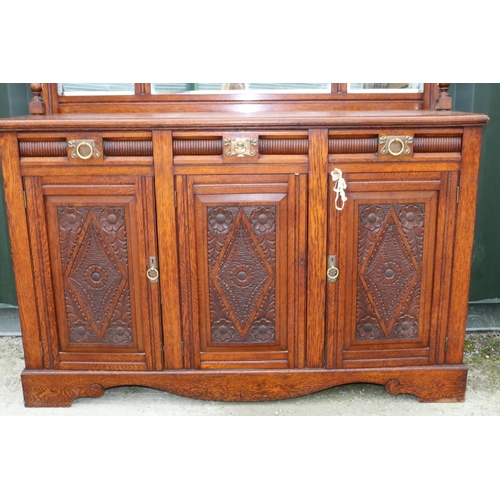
(84, 157)
(397, 153)
(333, 273)
(153, 274)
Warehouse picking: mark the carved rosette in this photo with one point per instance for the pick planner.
(241, 261)
(93, 245)
(390, 250)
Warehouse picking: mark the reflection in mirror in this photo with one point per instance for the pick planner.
(214, 88)
(95, 88)
(385, 87)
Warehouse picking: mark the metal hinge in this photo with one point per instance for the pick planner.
(458, 193)
(41, 348)
(24, 198)
(446, 344)
(175, 199)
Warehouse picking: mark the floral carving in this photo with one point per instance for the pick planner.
(242, 276)
(406, 327)
(389, 272)
(80, 332)
(368, 328)
(111, 219)
(96, 276)
(390, 256)
(120, 333)
(223, 330)
(220, 219)
(411, 217)
(94, 254)
(262, 220)
(70, 219)
(372, 217)
(262, 330)
(241, 261)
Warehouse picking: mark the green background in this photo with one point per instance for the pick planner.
(473, 97)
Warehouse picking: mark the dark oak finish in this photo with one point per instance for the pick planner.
(188, 251)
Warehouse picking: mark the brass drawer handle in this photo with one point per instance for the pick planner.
(391, 142)
(388, 143)
(83, 156)
(84, 149)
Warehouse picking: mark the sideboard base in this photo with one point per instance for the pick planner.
(61, 388)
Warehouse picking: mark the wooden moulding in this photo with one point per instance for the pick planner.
(213, 147)
(421, 144)
(202, 147)
(428, 384)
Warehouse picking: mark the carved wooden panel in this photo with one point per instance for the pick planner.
(94, 256)
(386, 292)
(242, 270)
(95, 244)
(390, 243)
(241, 259)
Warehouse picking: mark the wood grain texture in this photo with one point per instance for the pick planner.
(127, 148)
(317, 235)
(44, 149)
(41, 270)
(244, 118)
(167, 240)
(463, 244)
(429, 384)
(20, 245)
(437, 144)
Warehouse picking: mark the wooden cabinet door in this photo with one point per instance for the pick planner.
(92, 246)
(242, 266)
(392, 251)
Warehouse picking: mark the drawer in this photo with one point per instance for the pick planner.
(68, 153)
(395, 145)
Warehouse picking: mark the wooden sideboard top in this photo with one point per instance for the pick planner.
(251, 118)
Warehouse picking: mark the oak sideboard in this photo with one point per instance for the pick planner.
(242, 250)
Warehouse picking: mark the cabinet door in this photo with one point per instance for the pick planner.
(391, 253)
(92, 248)
(242, 266)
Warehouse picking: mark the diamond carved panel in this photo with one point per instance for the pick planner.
(390, 255)
(95, 273)
(241, 251)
